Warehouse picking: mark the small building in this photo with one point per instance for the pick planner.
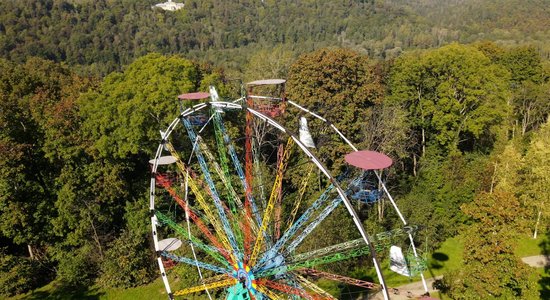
(171, 6)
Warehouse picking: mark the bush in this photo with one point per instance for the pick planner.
(78, 267)
(127, 263)
(19, 274)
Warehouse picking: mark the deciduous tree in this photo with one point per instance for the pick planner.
(537, 176)
(455, 96)
(339, 84)
(491, 269)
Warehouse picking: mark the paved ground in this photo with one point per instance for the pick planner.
(537, 261)
(415, 290)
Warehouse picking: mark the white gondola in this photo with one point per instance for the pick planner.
(305, 135)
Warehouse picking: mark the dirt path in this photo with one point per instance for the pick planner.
(413, 290)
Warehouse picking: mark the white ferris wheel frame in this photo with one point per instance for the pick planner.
(311, 156)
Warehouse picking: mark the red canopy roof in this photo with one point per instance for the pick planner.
(194, 96)
(368, 160)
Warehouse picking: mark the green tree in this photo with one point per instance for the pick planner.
(270, 63)
(19, 274)
(40, 136)
(101, 196)
(442, 185)
(127, 262)
(507, 169)
(490, 269)
(340, 85)
(455, 96)
(524, 63)
(124, 117)
(531, 105)
(537, 175)
(36, 100)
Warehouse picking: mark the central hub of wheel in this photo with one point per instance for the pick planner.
(244, 275)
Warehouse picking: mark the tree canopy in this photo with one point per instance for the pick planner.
(466, 125)
(454, 95)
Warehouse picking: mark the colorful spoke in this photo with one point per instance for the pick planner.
(301, 192)
(313, 262)
(213, 191)
(330, 249)
(222, 152)
(216, 278)
(290, 248)
(278, 201)
(202, 287)
(192, 262)
(197, 191)
(269, 293)
(286, 289)
(340, 278)
(312, 286)
(233, 154)
(258, 174)
(232, 198)
(271, 203)
(214, 252)
(269, 255)
(200, 224)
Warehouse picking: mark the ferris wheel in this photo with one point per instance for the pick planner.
(245, 203)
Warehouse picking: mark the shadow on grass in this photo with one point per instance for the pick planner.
(437, 261)
(544, 281)
(59, 291)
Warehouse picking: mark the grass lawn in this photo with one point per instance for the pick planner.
(54, 290)
(527, 246)
(447, 258)
(152, 291)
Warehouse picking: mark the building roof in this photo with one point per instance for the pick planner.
(171, 6)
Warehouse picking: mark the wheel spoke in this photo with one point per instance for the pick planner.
(232, 198)
(214, 193)
(196, 263)
(301, 192)
(182, 203)
(214, 252)
(328, 250)
(311, 226)
(238, 168)
(313, 262)
(312, 286)
(202, 287)
(268, 293)
(340, 278)
(292, 246)
(194, 185)
(250, 208)
(285, 288)
(275, 191)
(295, 227)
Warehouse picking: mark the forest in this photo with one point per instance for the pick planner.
(456, 92)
